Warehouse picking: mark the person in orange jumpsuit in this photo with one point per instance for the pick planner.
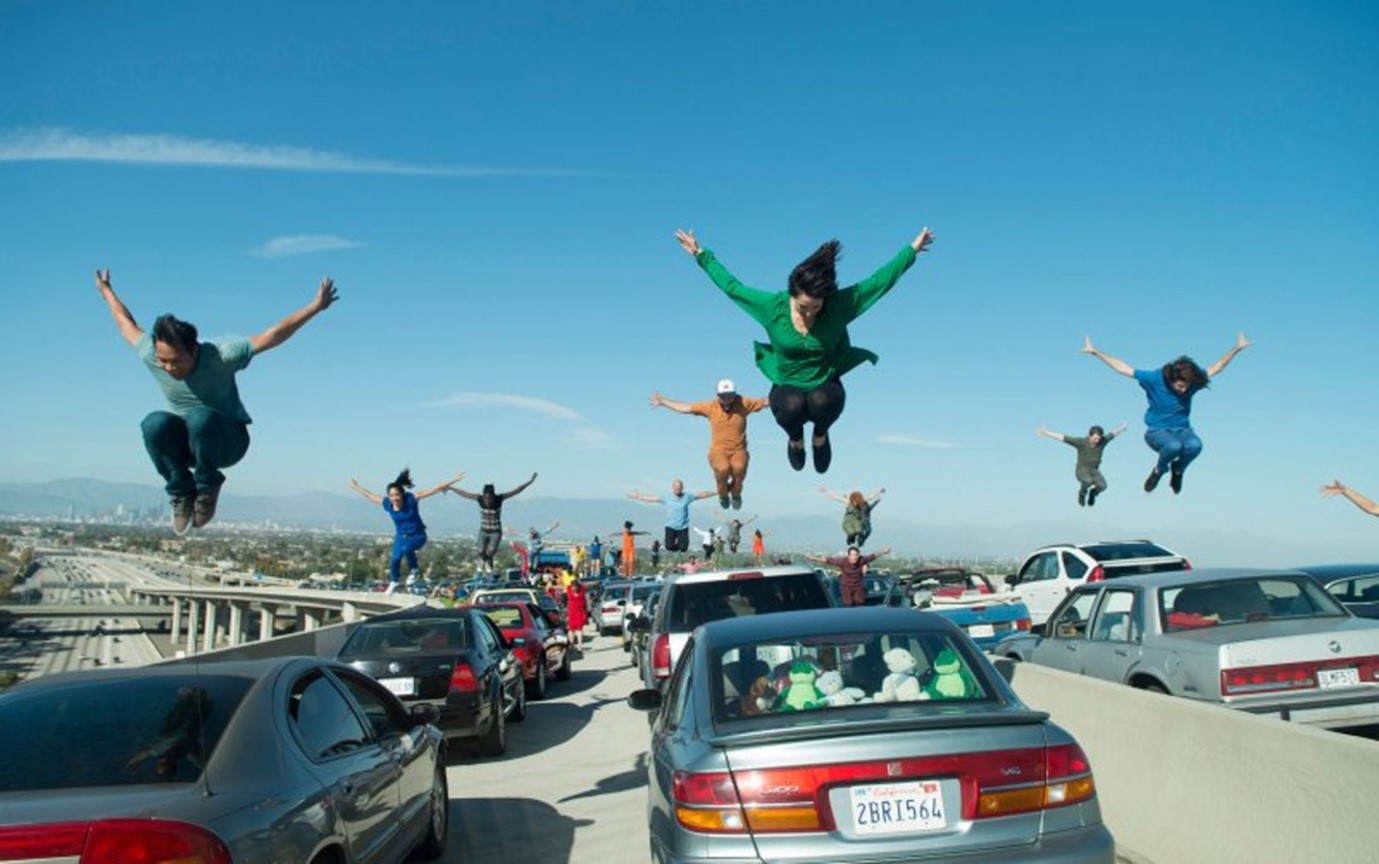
(727, 416)
(629, 549)
(758, 545)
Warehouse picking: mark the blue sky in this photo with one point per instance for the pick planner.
(494, 187)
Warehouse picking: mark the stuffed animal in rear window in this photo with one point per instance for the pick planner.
(901, 685)
(758, 699)
(835, 694)
(950, 680)
(800, 693)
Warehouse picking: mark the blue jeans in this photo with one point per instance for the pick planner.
(404, 546)
(190, 450)
(1176, 448)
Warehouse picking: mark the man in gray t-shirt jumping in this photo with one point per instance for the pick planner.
(207, 428)
(1088, 450)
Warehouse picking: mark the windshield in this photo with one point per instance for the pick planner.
(844, 671)
(115, 733)
(505, 617)
(1244, 601)
(414, 636)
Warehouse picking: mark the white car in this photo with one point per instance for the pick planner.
(1049, 573)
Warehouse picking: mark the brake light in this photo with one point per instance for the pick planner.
(1187, 565)
(999, 783)
(462, 679)
(748, 574)
(660, 657)
(1098, 574)
(115, 841)
(1022, 624)
(1263, 679)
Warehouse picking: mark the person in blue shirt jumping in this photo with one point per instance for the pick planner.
(411, 531)
(1168, 430)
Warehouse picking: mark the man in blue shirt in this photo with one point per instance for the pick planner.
(677, 506)
(207, 428)
(1170, 390)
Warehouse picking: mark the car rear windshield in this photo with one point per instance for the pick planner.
(121, 732)
(1105, 552)
(415, 636)
(843, 672)
(505, 617)
(1244, 601)
(695, 603)
(505, 596)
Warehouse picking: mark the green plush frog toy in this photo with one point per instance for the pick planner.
(800, 694)
(950, 680)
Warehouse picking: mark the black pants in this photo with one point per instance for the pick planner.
(677, 539)
(794, 407)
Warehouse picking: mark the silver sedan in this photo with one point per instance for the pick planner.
(281, 761)
(852, 735)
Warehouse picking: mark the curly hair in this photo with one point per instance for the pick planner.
(1186, 369)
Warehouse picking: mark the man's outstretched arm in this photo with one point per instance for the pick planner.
(283, 330)
(128, 327)
(1336, 487)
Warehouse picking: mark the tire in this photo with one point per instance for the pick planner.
(632, 659)
(519, 710)
(1154, 688)
(495, 740)
(438, 820)
(536, 690)
(563, 673)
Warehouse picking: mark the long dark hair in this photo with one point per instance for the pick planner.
(403, 481)
(1186, 369)
(488, 496)
(816, 275)
(170, 330)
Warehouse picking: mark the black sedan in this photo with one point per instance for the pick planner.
(454, 659)
(283, 759)
(1355, 585)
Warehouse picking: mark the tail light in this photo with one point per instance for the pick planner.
(1265, 679)
(114, 841)
(999, 783)
(1098, 574)
(1022, 624)
(660, 657)
(1187, 565)
(462, 679)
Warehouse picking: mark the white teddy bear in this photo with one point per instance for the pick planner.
(831, 685)
(901, 685)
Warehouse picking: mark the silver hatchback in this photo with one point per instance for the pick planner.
(858, 735)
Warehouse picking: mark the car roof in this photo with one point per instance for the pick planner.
(1188, 577)
(180, 668)
(724, 575)
(806, 622)
(1338, 571)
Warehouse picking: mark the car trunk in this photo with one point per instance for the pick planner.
(411, 676)
(901, 783)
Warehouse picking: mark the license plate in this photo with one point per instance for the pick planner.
(1338, 677)
(977, 631)
(897, 808)
(400, 686)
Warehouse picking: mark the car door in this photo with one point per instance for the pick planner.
(1066, 633)
(1038, 585)
(406, 744)
(360, 775)
(501, 669)
(1113, 644)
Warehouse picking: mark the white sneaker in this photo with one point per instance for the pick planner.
(391, 589)
(412, 578)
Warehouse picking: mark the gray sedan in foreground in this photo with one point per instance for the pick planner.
(1270, 642)
(858, 735)
(281, 761)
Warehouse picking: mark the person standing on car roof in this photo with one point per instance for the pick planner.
(727, 416)
(1168, 430)
(759, 545)
(655, 554)
(808, 351)
(490, 503)
(1088, 471)
(735, 527)
(677, 513)
(852, 571)
(411, 532)
(595, 557)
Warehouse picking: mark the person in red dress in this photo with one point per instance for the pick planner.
(577, 611)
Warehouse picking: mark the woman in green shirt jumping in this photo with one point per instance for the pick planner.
(809, 351)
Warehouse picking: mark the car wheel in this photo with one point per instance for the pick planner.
(563, 673)
(495, 740)
(438, 822)
(1154, 688)
(632, 658)
(519, 709)
(536, 689)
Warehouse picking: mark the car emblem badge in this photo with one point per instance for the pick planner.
(893, 769)
(394, 666)
(1012, 771)
(1334, 646)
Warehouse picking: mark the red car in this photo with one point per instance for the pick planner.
(542, 647)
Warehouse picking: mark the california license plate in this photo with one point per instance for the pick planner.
(897, 808)
(400, 686)
(1347, 677)
(977, 631)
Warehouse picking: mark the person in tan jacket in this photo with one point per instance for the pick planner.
(727, 416)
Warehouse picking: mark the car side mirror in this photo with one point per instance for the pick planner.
(640, 624)
(517, 641)
(424, 713)
(643, 700)
(1012, 579)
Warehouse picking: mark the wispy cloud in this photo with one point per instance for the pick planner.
(302, 244)
(578, 431)
(57, 144)
(588, 436)
(912, 441)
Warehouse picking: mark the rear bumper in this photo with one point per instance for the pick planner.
(1090, 845)
(459, 715)
(1343, 709)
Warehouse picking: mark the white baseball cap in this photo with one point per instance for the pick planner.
(726, 386)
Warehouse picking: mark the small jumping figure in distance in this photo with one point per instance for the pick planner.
(1088, 472)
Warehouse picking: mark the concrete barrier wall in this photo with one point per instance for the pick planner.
(322, 642)
(1180, 782)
